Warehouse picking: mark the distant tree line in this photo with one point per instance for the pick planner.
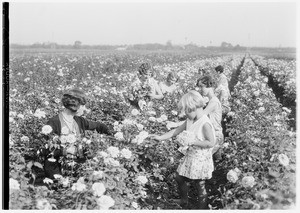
(149, 46)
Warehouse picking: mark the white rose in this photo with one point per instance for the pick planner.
(57, 176)
(248, 181)
(71, 138)
(111, 162)
(105, 202)
(113, 151)
(98, 189)
(47, 180)
(79, 186)
(164, 117)
(65, 182)
(126, 153)
(142, 179)
(256, 93)
(232, 176)
(135, 112)
(65, 130)
(43, 204)
(142, 104)
(134, 205)
(14, 184)
(174, 112)
(63, 139)
(103, 154)
(283, 159)
(46, 129)
(261, 109)
(159, 120)
(140, 126)
(98, 174)
(151, 112)
(143, 134)
(20, 116)
(24, 138)
(143, 194)
(119, 136)
(152, 119)
(39, 114)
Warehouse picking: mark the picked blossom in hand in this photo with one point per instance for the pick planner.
(140, 137)
(47, 129)
(186, 138)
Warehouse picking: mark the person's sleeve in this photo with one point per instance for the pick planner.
(54, 126)
(99, 127)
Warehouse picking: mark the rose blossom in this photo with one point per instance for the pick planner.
(126, 153)
(248, 181)
(43, 204)
(283, 160)
(164, 117)
(105, 202)
(79, 185)
(113, 151)
(140, 127)
(98, 189)
(46, 129)
(39, 114)
(65, 130)
(142, 179)
(119, 136)
(24, 138)
(112, 162)
(103, 154)
(14, 184)
(71, 138)
(232, 176)
(135, 112)
(152, 119)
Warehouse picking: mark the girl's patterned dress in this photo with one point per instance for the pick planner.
(198, 162)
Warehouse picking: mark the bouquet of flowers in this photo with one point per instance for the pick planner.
(139, 91)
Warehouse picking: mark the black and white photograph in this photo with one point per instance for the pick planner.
(149, 105)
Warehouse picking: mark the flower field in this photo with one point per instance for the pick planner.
(129, 171)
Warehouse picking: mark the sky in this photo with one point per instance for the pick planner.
(268, 24)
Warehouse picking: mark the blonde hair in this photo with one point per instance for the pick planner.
(191, 101)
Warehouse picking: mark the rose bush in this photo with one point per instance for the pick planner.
(128, 170)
